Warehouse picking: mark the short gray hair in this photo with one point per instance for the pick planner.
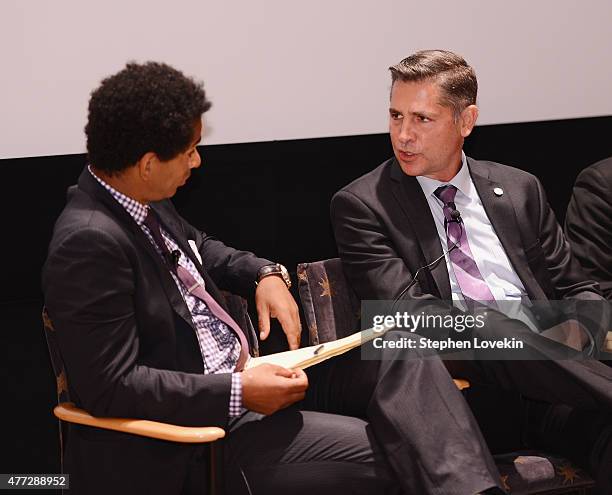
(455, 78)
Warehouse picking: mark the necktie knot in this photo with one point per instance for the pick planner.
(446, 193)
(151, 220)
(152, 223)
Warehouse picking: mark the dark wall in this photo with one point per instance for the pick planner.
(271, 198)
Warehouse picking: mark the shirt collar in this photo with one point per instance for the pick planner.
(461, 180)
(137, 210)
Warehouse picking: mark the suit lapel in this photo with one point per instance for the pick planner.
(173, 227)
(176, 232)
(93, 188)
(502, 214)
(412, 202)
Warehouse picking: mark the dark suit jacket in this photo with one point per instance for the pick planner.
(385, 232)
(588, 223)
(128, 341)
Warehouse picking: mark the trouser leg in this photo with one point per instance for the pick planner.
(581, 383)
(417, 414)
(305, 452)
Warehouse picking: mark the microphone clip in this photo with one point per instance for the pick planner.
(456, 216)
(172, 258)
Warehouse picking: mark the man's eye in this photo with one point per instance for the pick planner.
(422, 118)
(395, 116)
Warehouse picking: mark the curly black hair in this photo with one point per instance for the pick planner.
(144, 107)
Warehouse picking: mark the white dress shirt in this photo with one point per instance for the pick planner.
(489, 254)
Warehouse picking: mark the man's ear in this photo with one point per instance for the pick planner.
(467, 120)
(145, 165)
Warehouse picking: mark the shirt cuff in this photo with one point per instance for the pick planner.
(235, 402)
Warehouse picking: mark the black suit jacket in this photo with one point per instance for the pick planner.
(588, 223)
(128, 341)
(385, 231)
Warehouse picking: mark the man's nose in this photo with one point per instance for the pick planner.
(406, 134)
(196, 160)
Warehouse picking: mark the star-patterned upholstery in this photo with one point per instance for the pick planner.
(530, 472)
(58, 371)
(332, 310)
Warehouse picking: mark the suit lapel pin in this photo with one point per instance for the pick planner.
(498, 191)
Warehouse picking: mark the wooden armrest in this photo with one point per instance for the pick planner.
(608, 342)
(68, 412)
(461, 384)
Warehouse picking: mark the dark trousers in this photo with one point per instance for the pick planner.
(374, 426)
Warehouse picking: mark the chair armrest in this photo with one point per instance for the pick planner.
(608, 342)
(461, 384)
(67, 411)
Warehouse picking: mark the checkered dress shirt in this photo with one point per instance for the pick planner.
(219, 346)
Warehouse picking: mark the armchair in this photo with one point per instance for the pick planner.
(67, 412)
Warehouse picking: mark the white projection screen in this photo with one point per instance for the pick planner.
(282, 69)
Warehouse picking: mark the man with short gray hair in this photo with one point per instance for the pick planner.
(432, 224)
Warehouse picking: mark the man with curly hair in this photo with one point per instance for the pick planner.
(133, 292)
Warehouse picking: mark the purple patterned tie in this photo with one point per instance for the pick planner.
(468, 275)
(196, 289)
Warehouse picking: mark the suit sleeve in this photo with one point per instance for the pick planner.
(373, 266)
(231, 269)
(89, 285)
(588, 226)
(568, 278)
(566, 274)
(377, 272)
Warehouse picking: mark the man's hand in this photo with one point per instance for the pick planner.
(273, 299)
(569, 333)
(268, 388)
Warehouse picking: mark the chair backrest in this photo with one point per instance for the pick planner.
(331, 308)
(56, 359)
(61, 380)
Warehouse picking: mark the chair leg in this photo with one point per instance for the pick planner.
(217, 481)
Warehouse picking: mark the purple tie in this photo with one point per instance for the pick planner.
(196, 289)
(468, 275)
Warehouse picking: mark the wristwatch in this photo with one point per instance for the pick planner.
(274, 269)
